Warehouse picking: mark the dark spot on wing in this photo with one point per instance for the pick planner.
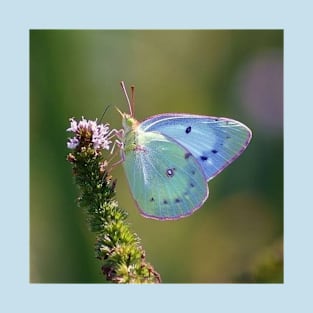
(192, 185)
(203, 158)
(188, 130)
(152, 199)
(170, 172)
(177, 200)
(214, 151)
(188, 155)
(193, 172)
(165, 202)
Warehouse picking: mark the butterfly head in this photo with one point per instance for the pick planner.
(129, 123)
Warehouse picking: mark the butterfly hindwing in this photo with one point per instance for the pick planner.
(214, 142)
(165, 179)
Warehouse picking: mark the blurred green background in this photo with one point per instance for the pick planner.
(237, 236)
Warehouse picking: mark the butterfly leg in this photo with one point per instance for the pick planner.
(117, 142)
(122, 159)
(119, 133)
(106, 163)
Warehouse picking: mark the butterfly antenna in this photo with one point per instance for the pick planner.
(105, 110)
(132, 98)
(126, 95)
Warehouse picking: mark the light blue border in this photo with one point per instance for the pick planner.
(17, 18)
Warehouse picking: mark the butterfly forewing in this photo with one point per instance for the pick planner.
(164, 177)
(214, 142)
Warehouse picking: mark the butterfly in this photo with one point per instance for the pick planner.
(169, 158)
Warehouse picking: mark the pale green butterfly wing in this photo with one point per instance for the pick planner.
(166, 181)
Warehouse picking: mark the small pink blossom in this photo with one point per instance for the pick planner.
(87, 131)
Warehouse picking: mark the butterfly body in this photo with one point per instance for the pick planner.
(169, 158)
